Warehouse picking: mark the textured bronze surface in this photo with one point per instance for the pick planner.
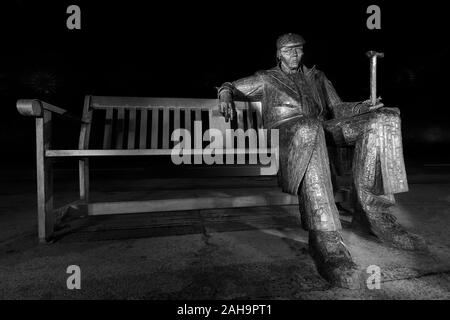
(289, 39)
(302, 105)
(333, 260)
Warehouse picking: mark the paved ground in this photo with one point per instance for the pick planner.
(251, 253)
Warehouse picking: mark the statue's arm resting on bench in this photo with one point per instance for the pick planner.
(249, 88)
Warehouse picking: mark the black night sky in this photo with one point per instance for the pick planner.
(186, 49)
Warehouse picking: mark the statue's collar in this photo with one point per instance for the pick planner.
(284, 79)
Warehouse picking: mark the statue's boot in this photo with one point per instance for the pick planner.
(384, 226)
(333, 260)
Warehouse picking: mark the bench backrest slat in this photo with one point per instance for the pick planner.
(249, 118)
(120, 128)
(148, 123)
(143, 130)
(131, 128)
(165, 128)
(187, 120)
(83, 142)
(240, 119)
(176, 119)
(259, 121)
(108, 129)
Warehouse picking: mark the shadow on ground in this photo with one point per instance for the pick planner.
(246, 253)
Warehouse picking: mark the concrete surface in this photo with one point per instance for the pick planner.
(249, 253)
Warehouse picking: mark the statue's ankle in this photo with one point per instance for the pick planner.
(333, 260)
(325, 245)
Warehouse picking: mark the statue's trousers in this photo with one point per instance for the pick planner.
(378, 166)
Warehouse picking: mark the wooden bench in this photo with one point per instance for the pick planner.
(138, 126)
(133, 126)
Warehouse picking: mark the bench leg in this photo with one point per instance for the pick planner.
(83, 166)
(44, 178)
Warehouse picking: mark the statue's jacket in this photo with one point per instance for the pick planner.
(297, 105)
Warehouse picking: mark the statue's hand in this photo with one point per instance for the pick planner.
(226, 106)
(367, 106)
(376, 106)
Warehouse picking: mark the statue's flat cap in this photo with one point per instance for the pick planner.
(289, 39)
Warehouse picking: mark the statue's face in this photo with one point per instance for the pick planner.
(291, 55)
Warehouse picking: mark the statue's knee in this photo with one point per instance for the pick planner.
(310, 124)
(308, 128)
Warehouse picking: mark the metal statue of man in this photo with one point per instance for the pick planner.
(303, 105)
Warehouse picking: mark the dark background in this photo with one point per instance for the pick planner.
(186, 49)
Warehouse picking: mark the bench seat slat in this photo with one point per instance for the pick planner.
(191, 203)
(141, 152)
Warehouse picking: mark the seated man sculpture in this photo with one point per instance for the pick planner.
(303, 105)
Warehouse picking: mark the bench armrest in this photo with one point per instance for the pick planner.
(35, 108)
